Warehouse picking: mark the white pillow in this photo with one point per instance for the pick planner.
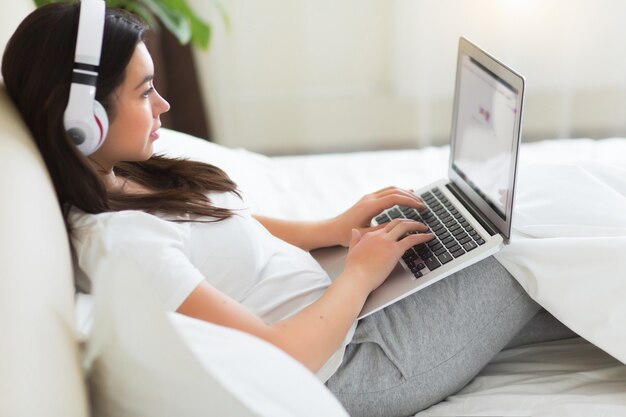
(254, 173)
(144, 362)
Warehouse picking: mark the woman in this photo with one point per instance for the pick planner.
(207, 257)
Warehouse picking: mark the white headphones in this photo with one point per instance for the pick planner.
(85, 119)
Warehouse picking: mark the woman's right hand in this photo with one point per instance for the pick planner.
(373, 255)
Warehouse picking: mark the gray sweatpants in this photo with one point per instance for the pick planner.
(429, 345)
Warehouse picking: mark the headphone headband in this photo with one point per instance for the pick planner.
(85, 119)
(90, 31)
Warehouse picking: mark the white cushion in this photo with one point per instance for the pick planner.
(39, 361)
(143, 362)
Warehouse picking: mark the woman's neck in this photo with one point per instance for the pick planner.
(114, 183)
(106, 174)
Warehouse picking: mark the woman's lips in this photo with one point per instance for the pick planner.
(155, 135)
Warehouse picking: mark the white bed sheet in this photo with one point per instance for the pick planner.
(567, 378)
(561, 379)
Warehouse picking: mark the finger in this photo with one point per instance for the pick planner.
(412, 240)
(398, 191)
(382, 190)
(393, 223)
(384, 203)
(389, 189)
(356, 237)
(373, 228)
(401, 200)
(388, 197)
(404, 227)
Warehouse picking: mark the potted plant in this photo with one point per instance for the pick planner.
(172, 55)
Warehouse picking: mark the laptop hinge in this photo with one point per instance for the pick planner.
(484, 222)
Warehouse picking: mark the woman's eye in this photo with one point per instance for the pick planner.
(148, 92)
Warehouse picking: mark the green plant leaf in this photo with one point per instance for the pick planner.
(223, 14)
(173, 19)
(200, 30)
(200, 33)
(175, 15)
(118, 4)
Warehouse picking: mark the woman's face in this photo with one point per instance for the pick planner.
(138, 106)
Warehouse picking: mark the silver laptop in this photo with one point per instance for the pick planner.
(470, 211)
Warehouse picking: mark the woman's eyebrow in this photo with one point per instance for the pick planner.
(145, 80)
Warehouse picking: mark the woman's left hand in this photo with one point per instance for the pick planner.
(360, 214)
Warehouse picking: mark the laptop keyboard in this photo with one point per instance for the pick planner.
(454, 236)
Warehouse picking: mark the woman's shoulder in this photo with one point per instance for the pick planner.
(123, 226)
(79, 218)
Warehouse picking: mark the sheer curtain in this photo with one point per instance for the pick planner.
(303, 76)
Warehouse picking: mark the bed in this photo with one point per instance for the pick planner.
(48, 349)
(571, 377)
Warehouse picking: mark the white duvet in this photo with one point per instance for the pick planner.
(568, 249)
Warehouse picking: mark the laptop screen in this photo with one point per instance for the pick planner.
(485, 134)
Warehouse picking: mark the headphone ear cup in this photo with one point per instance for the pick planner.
(88, 129)
(102, 120)
(87, 124)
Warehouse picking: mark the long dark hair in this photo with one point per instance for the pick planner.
(37, 69)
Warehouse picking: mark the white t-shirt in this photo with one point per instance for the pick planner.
(238, 256)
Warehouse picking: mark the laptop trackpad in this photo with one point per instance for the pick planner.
(331, 259)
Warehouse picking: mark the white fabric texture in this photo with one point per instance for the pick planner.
(569, 378)
(162, 248)
(271, 278)
(142, 363)
(40, 370)
(569, 247)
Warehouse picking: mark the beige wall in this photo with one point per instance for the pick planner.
(312, 76)
(11, 14)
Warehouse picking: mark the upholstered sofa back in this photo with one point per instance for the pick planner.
(40, 372)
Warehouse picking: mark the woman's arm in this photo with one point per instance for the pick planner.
(315, 333)
(337, 231)
(307, 235)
